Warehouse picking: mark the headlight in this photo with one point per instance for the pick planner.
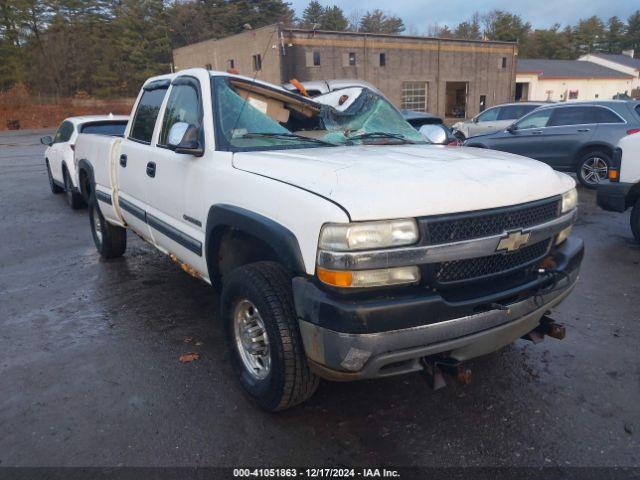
(369, 278)
(569, 200)
(368, 235)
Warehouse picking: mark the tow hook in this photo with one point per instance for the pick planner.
(442, 371)
(547, 327)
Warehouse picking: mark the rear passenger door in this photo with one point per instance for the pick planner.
(570, 127)
(174, 211)
(135, 155)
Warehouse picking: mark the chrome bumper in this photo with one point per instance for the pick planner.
(345, 356)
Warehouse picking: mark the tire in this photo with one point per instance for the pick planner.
(110, 240)
(635, 220)
(74, 199)
(259, 296)
(52, 185)
(593, 168)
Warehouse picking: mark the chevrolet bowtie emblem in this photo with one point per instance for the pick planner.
(513, 241)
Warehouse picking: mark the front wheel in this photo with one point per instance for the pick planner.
(52, 185)
(635, 220)
(110, 240)
(593, 168)
(264, 337)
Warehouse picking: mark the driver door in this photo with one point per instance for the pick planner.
(175, 216)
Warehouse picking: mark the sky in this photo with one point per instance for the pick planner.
(420, 15)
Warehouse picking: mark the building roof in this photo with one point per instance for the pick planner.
(625, 60)
(566, 69)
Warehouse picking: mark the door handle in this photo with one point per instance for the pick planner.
(151, 169)
(537, 132)
(123, 160)
(583, 129)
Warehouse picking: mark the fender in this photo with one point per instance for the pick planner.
(280, 239)
(85, 166)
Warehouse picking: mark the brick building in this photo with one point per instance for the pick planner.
(448, 77)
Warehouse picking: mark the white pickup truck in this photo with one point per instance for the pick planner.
(344, 245)
(623, 189)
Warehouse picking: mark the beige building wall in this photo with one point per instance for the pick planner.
(240, 48)
(558, 89)
(407, 59)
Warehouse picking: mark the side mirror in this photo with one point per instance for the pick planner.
(512, 128)
(436, 134)
(185, 138)
(474, 119)
(47, 140)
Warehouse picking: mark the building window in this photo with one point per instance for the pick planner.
(504, 62)
(483, 102)
(352, 58)
(316, 59)
(383, 59)
(257, 62)
(414, 96)
(231, 64)
(208, 66)
(573, 94)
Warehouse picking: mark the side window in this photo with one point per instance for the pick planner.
(566, 116)
(489, 115)
(514, 112)
(146, 114)
(537, 119)
(604, 115)
(64, 132)
(183, 106)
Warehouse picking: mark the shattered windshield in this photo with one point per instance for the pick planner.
(251, 116)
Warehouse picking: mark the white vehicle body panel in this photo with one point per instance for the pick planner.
(383, 182)
(630, 166)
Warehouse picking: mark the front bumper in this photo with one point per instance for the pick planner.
(349, 339)
(613, 196)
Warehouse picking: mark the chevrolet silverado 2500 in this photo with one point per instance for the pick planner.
(344, 245)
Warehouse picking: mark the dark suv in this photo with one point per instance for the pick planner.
(574, 136)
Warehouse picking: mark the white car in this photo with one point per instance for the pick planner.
(623, 189)
(493, 119)
(345, 246)
(58, 156)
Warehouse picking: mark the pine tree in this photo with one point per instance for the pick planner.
(312, 16)
(633, 33)
(615, 35)
(377, 21)
(333, 19)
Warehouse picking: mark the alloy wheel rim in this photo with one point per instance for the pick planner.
(97, 226)
(251, 339)
(594, 170)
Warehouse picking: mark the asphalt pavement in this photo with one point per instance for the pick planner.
(90, 376)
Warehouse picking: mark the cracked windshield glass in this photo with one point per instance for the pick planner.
(252, 116)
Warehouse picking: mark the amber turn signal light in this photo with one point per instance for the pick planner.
(336, 278)
(613, 175)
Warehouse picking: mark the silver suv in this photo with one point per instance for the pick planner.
(493, 119)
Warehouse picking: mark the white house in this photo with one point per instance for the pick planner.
(624, 63)
(560, 80)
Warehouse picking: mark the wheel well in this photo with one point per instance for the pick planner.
(633, 195)
(594, 147)
(230, 248)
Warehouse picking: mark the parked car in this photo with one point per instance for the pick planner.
(313, 88)
(493, 119)
(573, 136)
(622, 191)
(58, 156)
(345, 246)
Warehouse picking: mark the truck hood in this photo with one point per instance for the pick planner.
(381, 182)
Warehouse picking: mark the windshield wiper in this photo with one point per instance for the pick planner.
(396, 136)
(287, 136)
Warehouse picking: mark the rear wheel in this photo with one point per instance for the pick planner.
(262, 329)
(593, 168)
(74, 199)
(635, 220)
(52, 185)
(110, 240)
